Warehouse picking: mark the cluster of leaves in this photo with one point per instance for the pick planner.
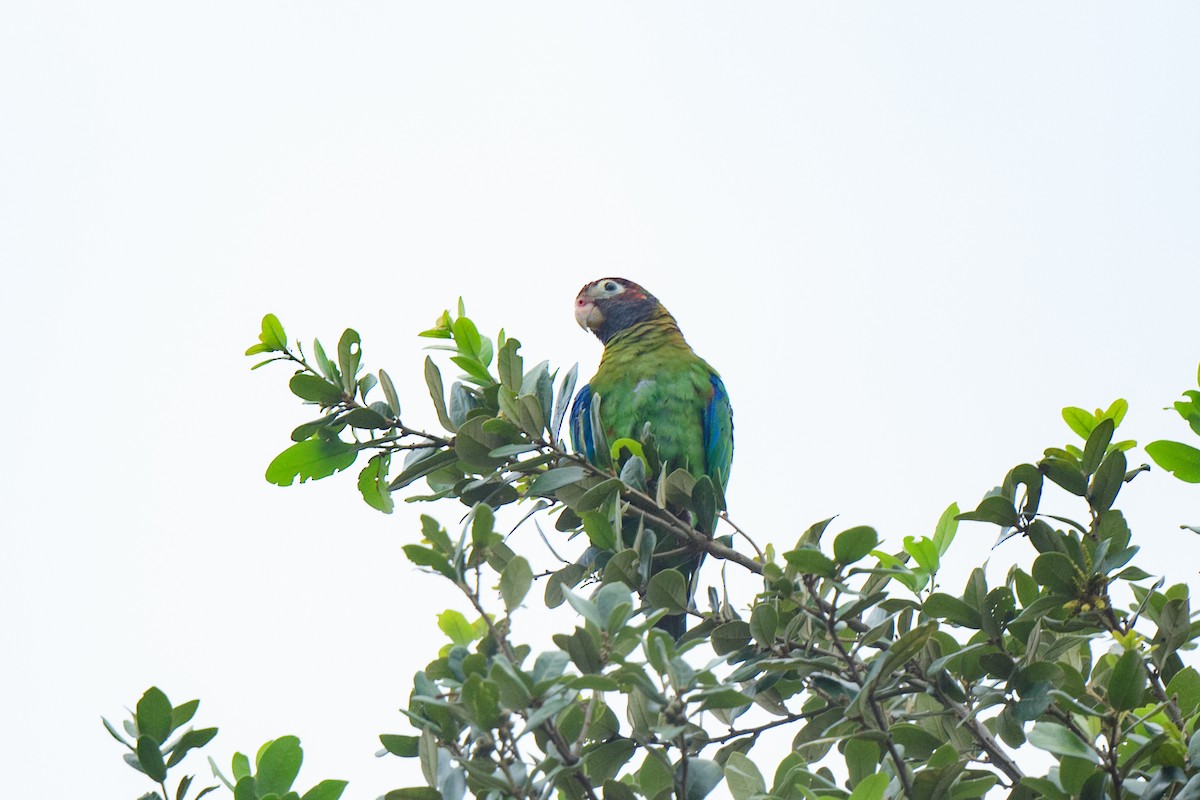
(153, 752)
(915, 691)
(1182, 460)
(276, 766)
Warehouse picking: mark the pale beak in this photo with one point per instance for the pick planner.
(587, 315)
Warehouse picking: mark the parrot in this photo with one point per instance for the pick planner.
(649, 374)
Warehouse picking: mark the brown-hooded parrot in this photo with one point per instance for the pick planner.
(649, 374)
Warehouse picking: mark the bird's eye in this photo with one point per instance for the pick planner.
(609, 286)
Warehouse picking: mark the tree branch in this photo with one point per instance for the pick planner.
(995, 752)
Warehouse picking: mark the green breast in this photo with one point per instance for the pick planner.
(650, 374)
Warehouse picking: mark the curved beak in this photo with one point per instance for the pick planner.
(587, 315)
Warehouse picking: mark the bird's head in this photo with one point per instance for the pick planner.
(610, 305)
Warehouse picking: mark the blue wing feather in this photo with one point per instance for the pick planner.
(718, 433)
(581, 424)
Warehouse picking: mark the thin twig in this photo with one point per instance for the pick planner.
(725, 516)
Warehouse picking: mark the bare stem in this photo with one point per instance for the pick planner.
(725, 516)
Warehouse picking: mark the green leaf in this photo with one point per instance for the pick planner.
(947, 527)
(481, 699)
(615, 790)
(1190, 790)
(389, 392)
(510, 365)
(425, 557)
(862, 759)
(587, 609)
(1097, 445)
(1055, 738)
(605, 761)
(183, 713)
(349, 355)
(566, 389)
(154, 715)
(764, 623)
(515, 581)
(474, 446)
(1107, 481)
(1057, 572)
(557, 585)
(997, 510)
(475, 372)
(278, 766)
(743, 777)
(668, 589)
(923, 551)
(703, 776)
(598, 495)
(150, 758)
(1181, 460)
(108, 726)
(623, 568)
(810, 561)
(1174, 627)
(315, 389)
(614, 603)
(325, 790)
(724, 697)
(414, 793)
(1033, 703)
(554, 479)
(437, 393)
(677, 488)
(272, 337)
(999, 608)
(455, 625)
(244, 790)
(365, 384)
(483, 525)
(1067, 475)
(594, 683)
(655, 776)
(1127, 682)
(415, 470)
(906, 647)
(599, 530)
(365, 419)
(704, 504)
(870, 787)
(466, 336)
(944, 606)
(190, 741)
(730, 637)
(399, 745)
(373, 483)
(1185, 687)
(973, 787)
(854, 544)
(1080, 421)
(311, 459)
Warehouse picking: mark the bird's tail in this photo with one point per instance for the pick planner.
(673, 624)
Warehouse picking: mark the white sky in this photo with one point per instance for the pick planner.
(907, 235)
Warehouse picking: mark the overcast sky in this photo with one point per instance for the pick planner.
(906, 234)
